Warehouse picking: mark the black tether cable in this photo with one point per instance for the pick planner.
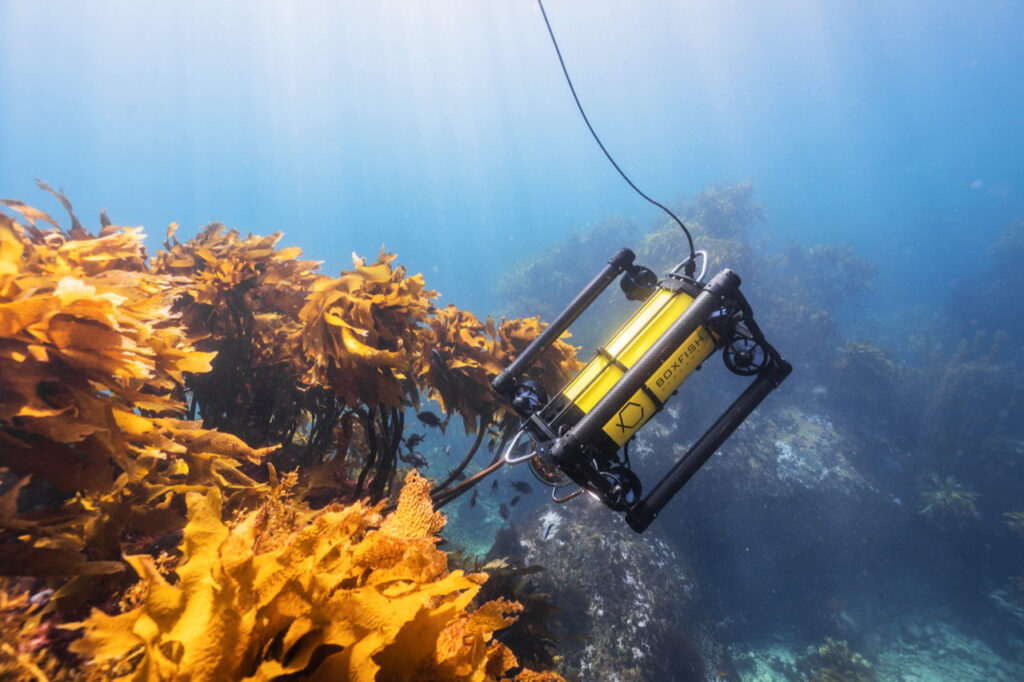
(691, 264)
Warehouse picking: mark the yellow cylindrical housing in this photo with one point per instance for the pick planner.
(627, 346)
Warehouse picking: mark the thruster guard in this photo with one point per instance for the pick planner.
(581, 435)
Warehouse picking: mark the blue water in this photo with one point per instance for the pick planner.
(444, 130)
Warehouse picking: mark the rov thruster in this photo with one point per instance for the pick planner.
(581, 436)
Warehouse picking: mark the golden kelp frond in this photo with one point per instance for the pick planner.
(118, 250)
(226, 258)
(72, 349)
(86, 360)
(554, 367)
(81, 539)
(229, 276)
(241, 300)
(542, 676)
(12, 249)
(246, 608)
(460, 360)
(217, 263)
(54, 253)
(30, 214)
(463, 355)
(362, 331)
(415, 516)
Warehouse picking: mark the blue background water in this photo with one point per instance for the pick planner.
(444, 130)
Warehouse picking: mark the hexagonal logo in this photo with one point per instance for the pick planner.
(630, 415)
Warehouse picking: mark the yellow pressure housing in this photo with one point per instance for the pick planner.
(627, 346)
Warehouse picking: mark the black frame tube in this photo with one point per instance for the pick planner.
(505, 382)
(644, 513)
(611, 402)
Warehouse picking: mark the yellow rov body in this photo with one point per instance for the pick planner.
(623, 350)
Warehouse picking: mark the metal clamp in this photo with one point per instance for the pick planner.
(507, 452)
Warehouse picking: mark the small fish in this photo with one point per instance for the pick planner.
(514, 501)
(459, 476)
(472, 500)
(547, 531)
(523, 487)
(414, 458)
(413, 440)
(430, 419)
(503, 511)
(490, 445)
(494, 487)
(438, 362)
(41, 597)
(447, 449)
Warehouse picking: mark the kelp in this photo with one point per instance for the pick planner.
(241, 299)
(1015, 522)
(91, 373)
(834, 661)
(303, 358)
(336, 594)
(945, 502)
(363, 331)
(552, 368)
(532, 636)
(376, 339)
(462, 354)
(113, 370)
(465, 354)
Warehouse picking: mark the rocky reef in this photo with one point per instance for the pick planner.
(630, 607)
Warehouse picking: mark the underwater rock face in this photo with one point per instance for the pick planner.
(786, 450)
(629, 603)
(782, 524)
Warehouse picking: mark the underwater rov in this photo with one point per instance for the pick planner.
(582, 435)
